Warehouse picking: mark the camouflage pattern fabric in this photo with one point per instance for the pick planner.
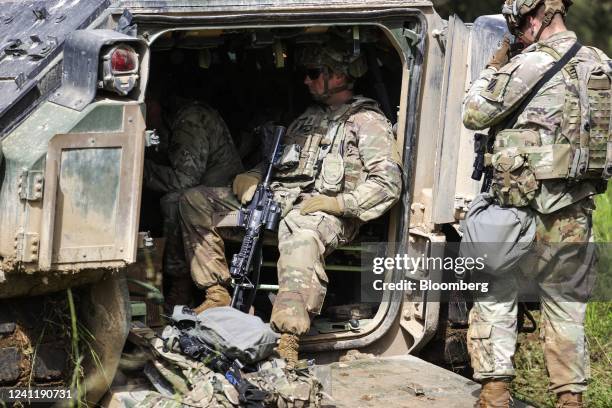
(563, 215)
(287, 388)
(204, 245)
(174, 255)
(303, 243)
(370, 183)
(495, 94)
(201, 151)
(195, 385)
(492, 333)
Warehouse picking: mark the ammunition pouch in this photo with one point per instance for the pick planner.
(330, 181)
(306, 167)
(290, 158)
(514, 182)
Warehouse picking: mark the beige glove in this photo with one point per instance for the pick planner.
(245, 184)
(501, 56)
(330, 205)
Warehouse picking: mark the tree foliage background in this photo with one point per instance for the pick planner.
(591, 19)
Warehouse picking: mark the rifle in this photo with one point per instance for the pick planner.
(262, 212)
(483, 144)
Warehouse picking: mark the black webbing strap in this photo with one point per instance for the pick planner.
(554, 70)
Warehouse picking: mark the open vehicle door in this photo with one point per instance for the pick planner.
(467, 48)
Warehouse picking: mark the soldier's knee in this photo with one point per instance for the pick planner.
(192, 203)
(301, 244)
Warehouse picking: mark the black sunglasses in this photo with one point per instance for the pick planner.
(313, 73)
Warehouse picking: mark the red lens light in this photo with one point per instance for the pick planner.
(123, 60)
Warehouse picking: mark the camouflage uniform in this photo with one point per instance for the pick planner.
(201, 152)
(563, 215)
(370, 185)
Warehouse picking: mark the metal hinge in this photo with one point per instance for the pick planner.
(26, 246)
(31, 185)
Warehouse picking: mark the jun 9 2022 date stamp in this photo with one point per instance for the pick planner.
(34, 394)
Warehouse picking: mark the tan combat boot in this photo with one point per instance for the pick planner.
(494, 394)
(216, 296)
(569, 400)
(288, 349)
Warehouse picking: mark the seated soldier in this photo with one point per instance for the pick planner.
(346, 172)
(200, 152)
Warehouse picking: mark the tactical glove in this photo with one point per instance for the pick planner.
(245, 184)
(330, 205)
(501, 56)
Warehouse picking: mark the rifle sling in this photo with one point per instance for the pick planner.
(554, 70)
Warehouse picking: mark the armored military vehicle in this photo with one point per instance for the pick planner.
(73, 130)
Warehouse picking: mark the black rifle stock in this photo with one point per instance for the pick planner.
(262, 213)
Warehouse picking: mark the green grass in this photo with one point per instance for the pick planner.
(531, 381)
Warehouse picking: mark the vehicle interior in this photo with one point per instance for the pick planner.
(251, 77)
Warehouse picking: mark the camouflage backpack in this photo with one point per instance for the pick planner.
(584, 150)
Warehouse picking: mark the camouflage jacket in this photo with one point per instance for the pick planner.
(361, 167)
(201, 151)
(493, 97)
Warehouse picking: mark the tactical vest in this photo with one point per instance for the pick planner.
(584, 150)
(315, 153)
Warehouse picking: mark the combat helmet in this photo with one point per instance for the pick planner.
(335, 56)
(516, 10)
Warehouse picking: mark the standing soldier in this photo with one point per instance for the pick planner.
(340, 167)
(200, 152)
(569, 113)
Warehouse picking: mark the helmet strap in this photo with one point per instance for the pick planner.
(545, 23)
(327, 92)
(552, 8)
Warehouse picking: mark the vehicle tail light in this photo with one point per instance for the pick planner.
(119, 68)
(123, 60)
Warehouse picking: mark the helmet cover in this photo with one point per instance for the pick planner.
(338, 59)
(515, 11)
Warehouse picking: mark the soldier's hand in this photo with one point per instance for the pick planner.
(501, 56)
(330, 205)
(244, 186)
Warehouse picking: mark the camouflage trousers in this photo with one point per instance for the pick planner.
(204, 247)
(492, 333)
(174, 255)
(304, 241)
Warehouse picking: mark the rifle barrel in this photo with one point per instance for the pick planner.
(279, 133)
